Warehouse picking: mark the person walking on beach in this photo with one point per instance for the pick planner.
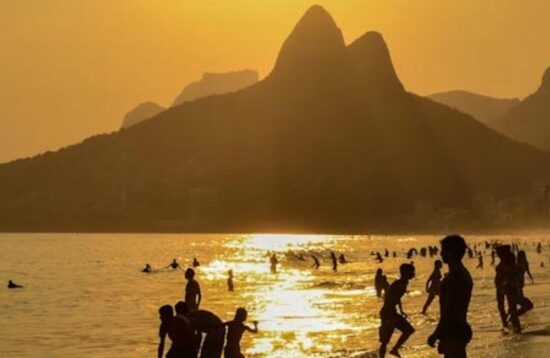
(192, 290)
(203, 321)
(453, 331)
(380, 283)
(178, 329)
(507, 287)
(274, 261)
(235, 330)
(523, 268)
(433, 285)
(389, 316)
(316, 263)
(334, 261)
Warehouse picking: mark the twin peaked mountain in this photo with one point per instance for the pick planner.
(329, 141)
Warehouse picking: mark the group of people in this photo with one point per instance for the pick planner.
(452, 334)
(185, 328)
(186, 323)
(455, 291)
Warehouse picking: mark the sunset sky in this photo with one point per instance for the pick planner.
(70, 69)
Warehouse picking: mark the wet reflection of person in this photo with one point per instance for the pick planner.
(392, 320)
(433, 285)
(235, 330)
(192, 290)
(453, 331)
(380, 283)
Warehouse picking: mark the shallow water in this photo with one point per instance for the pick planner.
(85, 295)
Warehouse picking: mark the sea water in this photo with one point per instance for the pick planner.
(85, 294)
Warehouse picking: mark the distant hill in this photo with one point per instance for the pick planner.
(216, 83)
(140, 113)
(329, 141)
(529, 122)
(484, 108)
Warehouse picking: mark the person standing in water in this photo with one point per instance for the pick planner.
(203, 321)
(433, 285)
(392, 320)
(192, 291)
(196, 262)
(174, 264)
(235, 330)
(179, 330)
(230, 280)
(479, 261)
(334, 261)
(316, 263)
(380, 283)
(274, 261)
(453, 331)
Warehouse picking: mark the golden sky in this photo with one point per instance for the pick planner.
(73, 68)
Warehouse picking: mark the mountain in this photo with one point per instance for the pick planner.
(140, 113)
(216, 83)
(484, 108)
(529, 122)
(329, 141)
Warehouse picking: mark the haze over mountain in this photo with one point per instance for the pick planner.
(329, 141)
(210, 84)
(140, 113)
(484, 108)
(216, 83)
(529, 122)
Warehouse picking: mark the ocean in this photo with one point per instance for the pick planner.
(85, 294)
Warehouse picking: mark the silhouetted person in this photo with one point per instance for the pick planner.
(493, 255)
(433, 285)
(507, 287)
(539, 247)
(470, 253)
(523, 266)
(174, 264)
(316, 263)
(334, 261)
(235, 330)
(389, 316)
(147, 269)
(453, 331)
(342, 259)
(386, 253)
(524, 303)
(12, 284)
(192, 290)
(196, 262)
(203, 321)
(274, 261)
(230, 280)
(180, 333)
(379, 258)
(380, 283)
(479, 261)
